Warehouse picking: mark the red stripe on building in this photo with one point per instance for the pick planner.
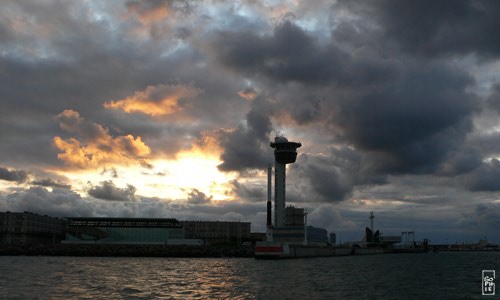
(272, 249)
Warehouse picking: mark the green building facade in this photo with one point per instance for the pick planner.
(123, 230)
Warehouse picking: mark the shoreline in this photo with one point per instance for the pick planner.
(126, 250)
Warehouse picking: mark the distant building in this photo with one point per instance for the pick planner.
(333, 238)
(217, 231)
(294, 230)
(24, 228)
(29, 228)
(316, 235)
(294, 216)
(290, 234)
(123, 230)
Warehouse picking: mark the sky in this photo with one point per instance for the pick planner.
(166, 109)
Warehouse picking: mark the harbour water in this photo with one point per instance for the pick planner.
(393, 276)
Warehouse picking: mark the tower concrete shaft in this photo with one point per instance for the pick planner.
(285, 152)
(279, 194)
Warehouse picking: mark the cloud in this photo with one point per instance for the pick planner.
(326, 180)
(248, 93)
(18, 176)
(462, 161)
(47, 182)
(405, 115)
(160, 19)
(247, 192)
(110, 171)
(98, 147)
(484, 178)
(395, 102)
(406, 123)
(289, 54)
(332, 177)
(482, 218)
(60, 202)
(434, 28)
(148, 11)
(160, 100)
(246, 147)
(108, 191)
(328, 217)
(145, 164)
(66, 203)
(197, 197)
(494, 98)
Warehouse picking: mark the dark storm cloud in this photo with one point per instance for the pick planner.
(410, 121)
(307, 110)
(290, 54)
(406, 115)
(247, 193)
(47, 182)
(488, 144)
(494, 98)
(18, 176)
(293, 55)
(484, 178)
(197, 197)
(460, 162)
(243, 148)
(488, 215)
(485, 216)
(108, 191)
(435, 27)
(327, 181)
(332, 177)
(417, 103)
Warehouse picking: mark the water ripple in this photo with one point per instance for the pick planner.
(395, 276)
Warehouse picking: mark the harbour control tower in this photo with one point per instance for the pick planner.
(285, 152)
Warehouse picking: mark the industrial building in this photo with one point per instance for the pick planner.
(317, 236)
(217, 231)
(296, 235)
(25, 228)
(294, 230)
(153, 231)
(123, 230)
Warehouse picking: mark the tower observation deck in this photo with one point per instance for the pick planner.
(285, 152)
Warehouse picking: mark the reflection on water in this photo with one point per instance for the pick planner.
(395, 276)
